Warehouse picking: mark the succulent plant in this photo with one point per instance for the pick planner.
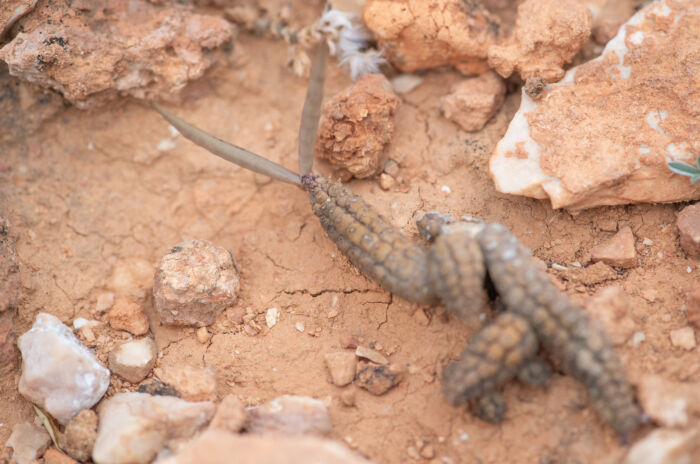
(685, 169)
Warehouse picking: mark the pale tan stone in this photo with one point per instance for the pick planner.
(290, 415)
(128, 315)
(28, 442)
(688, 223)
(133, 360)
(341, 365)
(192, 383)
(472, 102)
(683, 338)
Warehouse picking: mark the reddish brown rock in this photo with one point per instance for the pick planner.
(11, 11)
(194, 283)
(290, 415)
(416, 34)
(129, 316)
(688, 223)
(356, 125)
(53, 456)
(191, 383)
(618, 251)
(547, 35)
(693, 305)
(378, 379)
(217, 447)
(472, 102)
(571, 148)
(121, 48)
(80, 435)
(611, 306)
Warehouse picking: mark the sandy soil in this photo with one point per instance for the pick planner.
(90, 195)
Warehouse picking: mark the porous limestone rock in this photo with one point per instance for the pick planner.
(133, 360)
(217, 446)
(59, 373)
(356, 125)
(80, 434)
(472, 102)
(194, 283)
(128, 315)
(28, 442)
(604, 134)
(547, 35)
(290, 415)
(134, 427)
(415, 34)
(118, 48)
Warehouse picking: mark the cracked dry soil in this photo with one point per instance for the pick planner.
(100, 201)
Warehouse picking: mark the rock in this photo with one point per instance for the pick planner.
(688, 223)
(611, 306)
(10, 284)
(547, 35)
(693, 306)
(571, 148)
(133, 278)
(53, 456)
(203, 335)
(104, 302)
(472, 102)
(618, 251)
(80, 435)
(128, 315)
(356, 125)
(665, 446)
(230, 415)
(290, 415)
(341, 365)
(134, 427)
(121, 48)
(378, 379)
(191, 383)
(58, 372)
(683, 338)
(404, 83)
(372, 355)
(11, 11)
(217, 447)
(349, 342)
(668, 403)
(133, 360)
(158, 388)
(194, 283)
(28, 442)
(415, 34)
(272, 317)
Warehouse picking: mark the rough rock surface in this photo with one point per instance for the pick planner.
(618, 251)
(666, 446)
(133, 360)
(59, 373)
(341, 366)
(128, 315)
(217, 447)
(547, 35)
(134, 427)
(668, 403)
(415, 34)
(79, 437)
(191, 383)
(573, 147)
(230, 415)
(356, 125)
(290, 415)
(688, 223)
(28, 442)
(194, 283)
(11, 11)
(378, 379)
(118, 48)
(472, 102)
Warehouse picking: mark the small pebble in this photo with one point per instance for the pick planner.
(28, 442)
(349, 342)
(372, 355)
(618, 251)
(290, 415)
(638, 338)
(80, 435)
(386, 182)
(133, 360)
(191, 383)
(299, 326)
(272, 317)
(129, 316)
(104, 302)
(378, 379)
(404, 83)
(341, 365)
(683, 338)
(203, 335)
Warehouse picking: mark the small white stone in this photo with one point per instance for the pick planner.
(133, 360)
(165, 145)
(59, 373)
(104, 302)
(299, 326)
(647, 241)
(638, 338)
(272, 317)
(683, 338)
(446, 189)
(404, 83)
